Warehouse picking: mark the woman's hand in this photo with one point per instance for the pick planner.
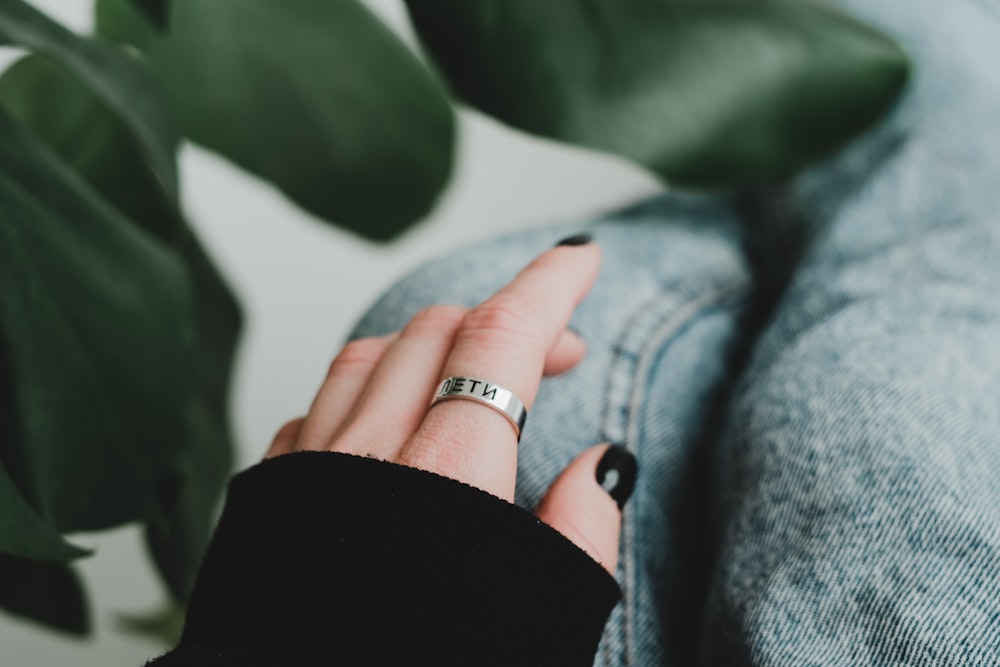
(376, 399)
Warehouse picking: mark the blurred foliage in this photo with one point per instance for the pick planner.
(315, 96)
(164, 626)
(705, 93)
(117, 332)
(156, 11)
(45, 592)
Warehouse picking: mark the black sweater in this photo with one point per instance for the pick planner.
(332, 559)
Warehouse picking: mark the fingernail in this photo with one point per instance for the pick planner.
(616, 472)
(576, 239)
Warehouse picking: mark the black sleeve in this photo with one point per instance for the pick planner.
(326, 558)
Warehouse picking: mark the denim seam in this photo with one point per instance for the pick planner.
(658, 319)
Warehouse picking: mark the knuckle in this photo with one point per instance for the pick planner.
(358, 354)
(436, 320)
(509, 317)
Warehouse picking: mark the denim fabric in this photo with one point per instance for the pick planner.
(658, 324)
(857, 485)
(810, 379)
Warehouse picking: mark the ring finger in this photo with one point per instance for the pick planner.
(396, 398)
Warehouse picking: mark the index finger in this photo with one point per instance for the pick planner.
(505, 341)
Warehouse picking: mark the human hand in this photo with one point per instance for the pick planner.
(376, 398)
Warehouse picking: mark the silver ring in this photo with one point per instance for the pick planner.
(488, 393)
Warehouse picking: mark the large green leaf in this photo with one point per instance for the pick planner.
(24, 533)
(178, 533)
(119, 81)
(703, 92)
(156, 10)
(190, 485)
(316, 96)
(73, 122)
(47, 593)
(99, 321)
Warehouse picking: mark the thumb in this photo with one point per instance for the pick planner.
(585, 501)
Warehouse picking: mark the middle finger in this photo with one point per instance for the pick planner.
(505, 341)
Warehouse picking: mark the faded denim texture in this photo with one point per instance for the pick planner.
(810, 379)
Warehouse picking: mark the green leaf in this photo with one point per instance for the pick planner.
(47, 593)
(178, 534)
(706, 93)
(99, 321)
(317, 97)
(189, 487)
(119, 81)
(156, 10)
(56, 107)
(24, 533)
(163, 626)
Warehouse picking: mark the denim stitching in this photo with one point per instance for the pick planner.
(658, 320)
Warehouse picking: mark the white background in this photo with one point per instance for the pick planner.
(302, 284)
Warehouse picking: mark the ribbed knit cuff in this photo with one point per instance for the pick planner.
(331, 557)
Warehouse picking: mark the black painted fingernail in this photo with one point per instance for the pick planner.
(616, 472)
(576, 239)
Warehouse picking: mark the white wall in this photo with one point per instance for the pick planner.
(290, 272)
